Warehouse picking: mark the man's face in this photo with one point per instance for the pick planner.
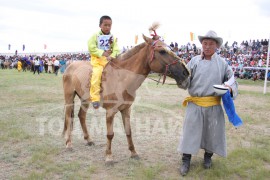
(209, 46)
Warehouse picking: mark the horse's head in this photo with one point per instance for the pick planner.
(163, 60)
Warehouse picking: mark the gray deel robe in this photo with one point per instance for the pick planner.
(204, 127)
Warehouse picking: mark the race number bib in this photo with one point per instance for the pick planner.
(104, 42)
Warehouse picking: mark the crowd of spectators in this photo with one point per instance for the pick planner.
(248, 59)
(43, 63)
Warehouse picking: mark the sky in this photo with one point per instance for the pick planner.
(66, 25)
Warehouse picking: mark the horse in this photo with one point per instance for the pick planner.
(7, 64)
(121, 78)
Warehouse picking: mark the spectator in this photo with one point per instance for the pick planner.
(50, 63)
(19, 65)
(172, 45)
(56, 66)
(36, 65)
(62, 65)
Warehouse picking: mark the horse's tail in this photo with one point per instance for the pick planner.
(69, 116)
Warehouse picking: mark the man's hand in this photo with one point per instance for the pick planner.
(228, 87)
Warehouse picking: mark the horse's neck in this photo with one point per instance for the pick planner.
(137, 63)
(125, 75)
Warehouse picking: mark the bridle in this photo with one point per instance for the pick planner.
(153, 46)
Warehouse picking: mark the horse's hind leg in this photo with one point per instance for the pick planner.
(69, 95)
(68, 125)
(126, 121)
(82, 117)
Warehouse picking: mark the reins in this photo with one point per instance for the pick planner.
(158, 81)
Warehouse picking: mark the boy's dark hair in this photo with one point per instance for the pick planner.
(104, 18)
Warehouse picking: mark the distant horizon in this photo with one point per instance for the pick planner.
(35, 53)
(196, 42)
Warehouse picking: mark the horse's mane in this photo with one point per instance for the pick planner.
(153, 28)
(131, 52)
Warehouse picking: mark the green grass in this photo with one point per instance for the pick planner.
(252, 93)
(30, 104)
(252, 83)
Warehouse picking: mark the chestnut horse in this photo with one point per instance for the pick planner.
(121, 78)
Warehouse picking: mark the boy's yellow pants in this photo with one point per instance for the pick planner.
(98, 65)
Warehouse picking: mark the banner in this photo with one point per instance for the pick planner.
(192, 36)
(136, 39)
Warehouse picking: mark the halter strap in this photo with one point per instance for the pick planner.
(167, 65)
(166, 70)
(153, 48)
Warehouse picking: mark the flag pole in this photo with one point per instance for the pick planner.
(266, 70)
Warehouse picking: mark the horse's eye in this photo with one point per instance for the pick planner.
(162, 52)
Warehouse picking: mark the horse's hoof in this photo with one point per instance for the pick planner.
(109, 163)
(90, 143)
(109, 160)
(69, 149)
(135, 157)
(68, 145)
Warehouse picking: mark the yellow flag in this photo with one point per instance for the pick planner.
(192, 36)
(136, 39)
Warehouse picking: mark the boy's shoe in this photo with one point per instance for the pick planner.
(96, 104)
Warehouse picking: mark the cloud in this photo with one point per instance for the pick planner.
(264, 7)
(67, 25)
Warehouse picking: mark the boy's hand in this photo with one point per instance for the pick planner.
(107, 53)
(111, 40)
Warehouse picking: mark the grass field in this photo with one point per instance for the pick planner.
(31, 145)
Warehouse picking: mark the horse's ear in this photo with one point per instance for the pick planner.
(147, 39)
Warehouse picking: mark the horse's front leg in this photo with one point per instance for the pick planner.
(109, 122)
(126, 121)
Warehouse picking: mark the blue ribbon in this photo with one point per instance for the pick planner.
(230, 110)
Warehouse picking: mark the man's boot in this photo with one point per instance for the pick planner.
(207, 160)
(185, 164)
